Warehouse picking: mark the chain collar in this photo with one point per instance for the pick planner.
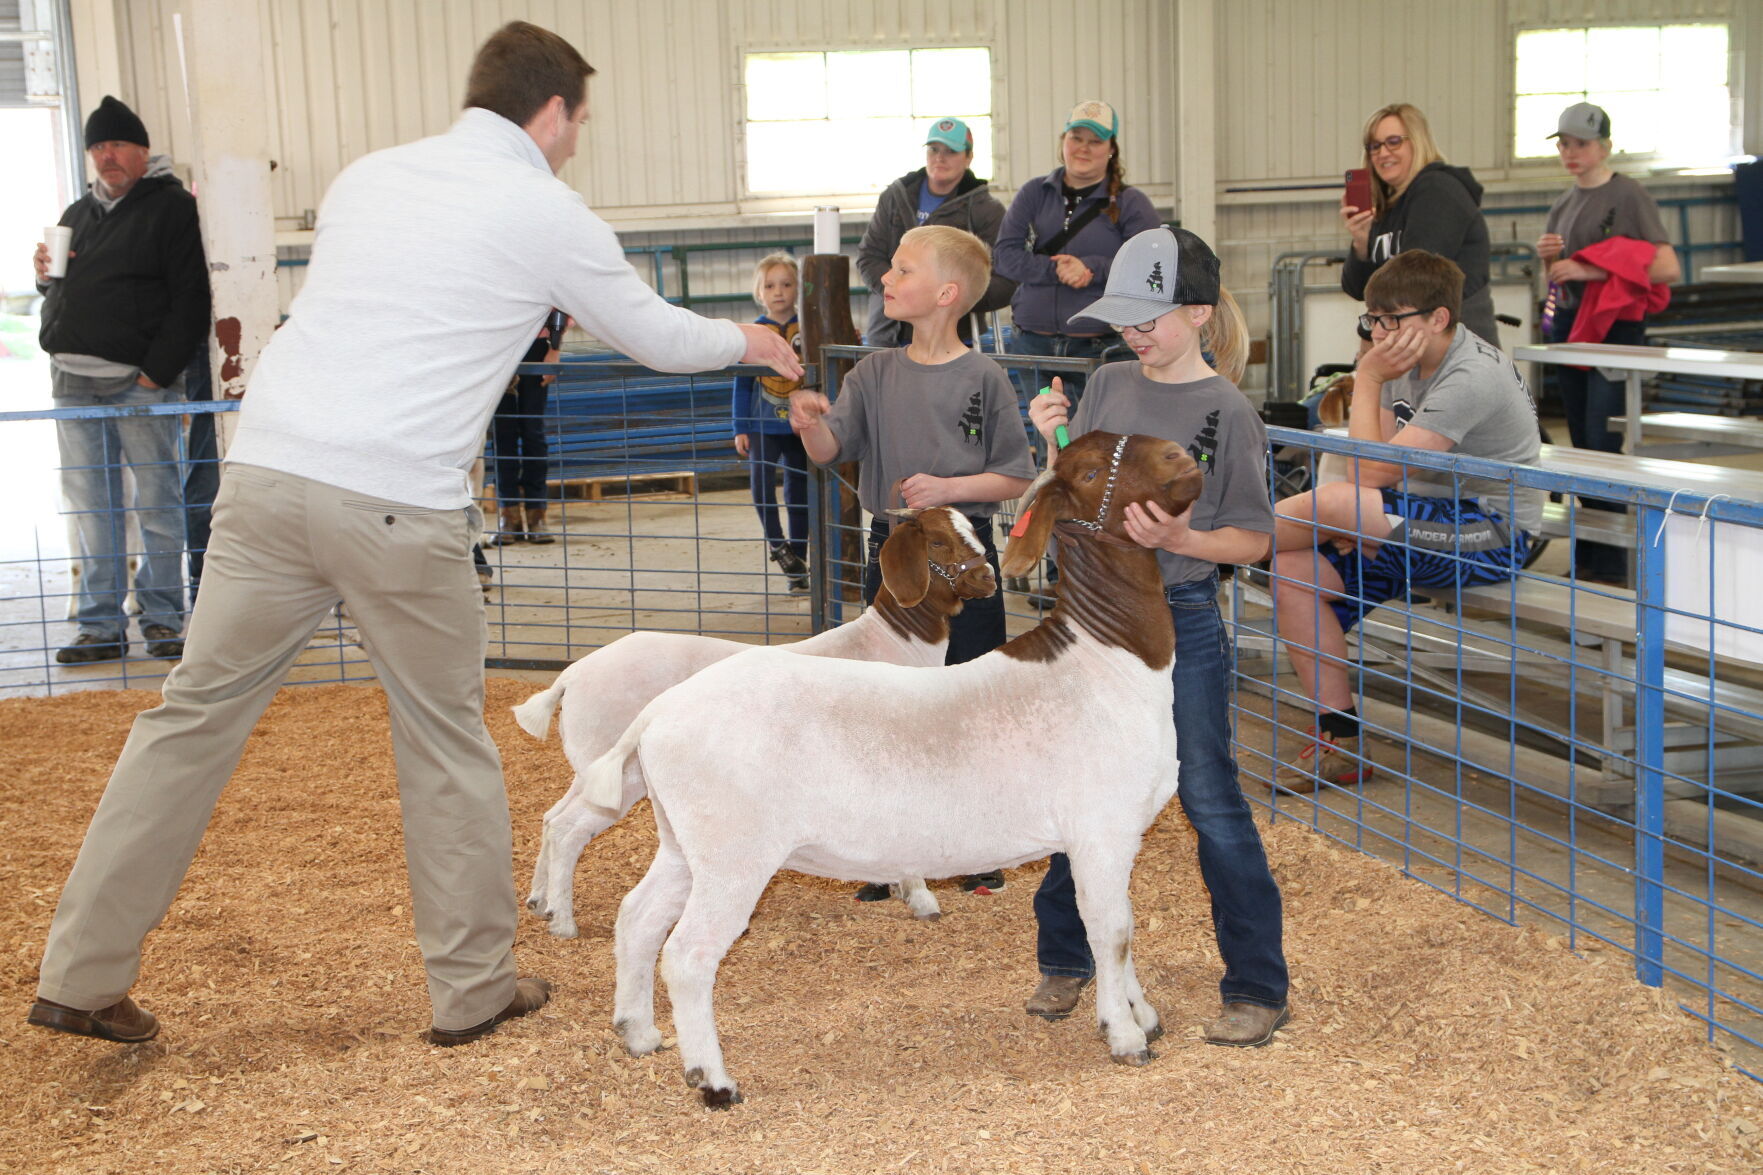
(950, 571)
(1107, 491)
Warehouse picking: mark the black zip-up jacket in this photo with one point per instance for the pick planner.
(971, 206)
(137, 292)
(1441, 213)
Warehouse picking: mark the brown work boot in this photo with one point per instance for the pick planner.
(535, 526)
(511, 530)
(1056, 996)
(530, 994)
(124, 1021)
(1246, 1026)
(1324, 759)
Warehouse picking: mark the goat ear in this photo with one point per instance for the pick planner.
(1024, 550)
(905, 563)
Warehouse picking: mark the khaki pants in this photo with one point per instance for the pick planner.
(284, 550)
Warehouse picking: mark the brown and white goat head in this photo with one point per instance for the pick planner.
(939, 540)
(1091, 483)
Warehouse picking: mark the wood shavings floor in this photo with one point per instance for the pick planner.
(1425, 1037)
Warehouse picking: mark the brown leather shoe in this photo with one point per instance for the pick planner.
(530, 994)
(1246, 1026)
(1056, 996)
(124, 1021)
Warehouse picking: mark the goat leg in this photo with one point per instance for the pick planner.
(1102, 873)
(648, 912)
(716, 913)
(919, 899)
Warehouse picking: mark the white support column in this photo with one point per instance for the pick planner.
(221, 44)
(1196, 88)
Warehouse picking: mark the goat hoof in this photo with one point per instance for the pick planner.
(560, 927)
(1155, 1032)
(721, 1099)
(1142, 1057)
(638, 1043)
(695, 1078)
(933, 916)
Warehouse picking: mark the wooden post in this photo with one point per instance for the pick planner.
(826, 320)
(230, 117)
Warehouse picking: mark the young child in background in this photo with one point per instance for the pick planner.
(1164, 297)
(932, 423)
(761, 413)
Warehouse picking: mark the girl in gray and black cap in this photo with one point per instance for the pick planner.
(1164, 298)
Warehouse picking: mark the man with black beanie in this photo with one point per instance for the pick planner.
(119, 329)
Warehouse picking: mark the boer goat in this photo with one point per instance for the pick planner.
(1060, 741)
(601, 693)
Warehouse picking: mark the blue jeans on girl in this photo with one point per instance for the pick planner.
(1246, 911)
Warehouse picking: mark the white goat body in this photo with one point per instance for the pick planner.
(604, 691)
(1061, 741)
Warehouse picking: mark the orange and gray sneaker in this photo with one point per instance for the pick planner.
(1324, 759)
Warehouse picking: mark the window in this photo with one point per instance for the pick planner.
(856, 121)
(1663, 85)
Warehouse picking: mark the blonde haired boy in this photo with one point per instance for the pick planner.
(932, 423)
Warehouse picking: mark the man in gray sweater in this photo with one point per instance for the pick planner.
(433, 266)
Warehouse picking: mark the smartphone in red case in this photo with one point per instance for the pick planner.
(1359, 189)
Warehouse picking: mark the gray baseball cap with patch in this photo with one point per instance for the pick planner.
(1582, 120)
(1153, 273)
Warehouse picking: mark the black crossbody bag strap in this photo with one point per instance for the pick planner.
(1058, 240)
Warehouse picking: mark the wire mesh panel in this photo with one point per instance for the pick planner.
(1550, 747)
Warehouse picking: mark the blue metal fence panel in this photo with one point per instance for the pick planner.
(1551, 749)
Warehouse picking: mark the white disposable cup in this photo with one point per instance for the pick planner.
(826, 229)
(58, 237)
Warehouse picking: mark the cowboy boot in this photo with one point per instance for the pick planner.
(535, 526)
(511, 531)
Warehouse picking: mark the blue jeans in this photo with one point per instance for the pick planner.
(1246, 914)
(518, 432)
(93, 455)
(201, 466)
(1589, 400)
(1028, 342)
(768, 454)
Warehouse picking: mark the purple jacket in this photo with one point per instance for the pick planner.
(1043, 303)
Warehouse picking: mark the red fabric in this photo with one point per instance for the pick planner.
(1625, 296)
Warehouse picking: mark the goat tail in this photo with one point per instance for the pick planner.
(534, 714)
(603, 779)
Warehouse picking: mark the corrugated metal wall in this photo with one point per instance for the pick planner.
(1296, 79)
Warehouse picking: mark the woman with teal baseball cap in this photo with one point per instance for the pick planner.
(1059, 239)
(943, 191)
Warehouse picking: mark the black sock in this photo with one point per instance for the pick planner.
(1341, 723)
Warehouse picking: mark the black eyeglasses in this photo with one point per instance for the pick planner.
(1143, 328)
(1391, 142)
(1388, 321)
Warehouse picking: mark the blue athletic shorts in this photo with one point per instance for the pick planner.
(1444, 543)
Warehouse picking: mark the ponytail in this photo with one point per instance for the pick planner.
(1226, 335)
(1116, 181)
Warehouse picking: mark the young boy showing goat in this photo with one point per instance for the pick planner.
(1166, 282)
(1058, 742)
(932, 423)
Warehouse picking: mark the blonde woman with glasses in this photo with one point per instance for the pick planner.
(1418, 201)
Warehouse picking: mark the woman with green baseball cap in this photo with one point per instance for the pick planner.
(1059, 239)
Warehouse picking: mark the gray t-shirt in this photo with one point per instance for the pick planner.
(1585, 216)
(1221, 431)
(1479, 402)
(896, 418)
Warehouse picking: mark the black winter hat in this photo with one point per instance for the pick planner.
(115, 122)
